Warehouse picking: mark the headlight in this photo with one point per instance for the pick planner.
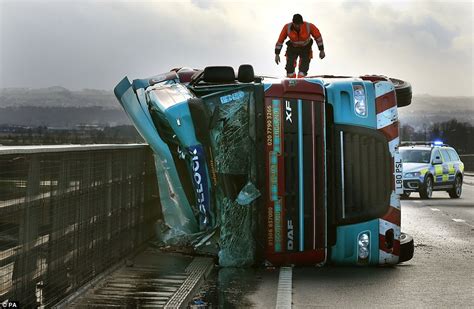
(360, 105)
(412, 175)
(363, 245)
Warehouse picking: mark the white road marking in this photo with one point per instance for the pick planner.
(197, 270)
(418, 202)
(454, 219)
(463, 221)
(284, 288)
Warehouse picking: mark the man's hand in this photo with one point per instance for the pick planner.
(277, 59)
(322, 54)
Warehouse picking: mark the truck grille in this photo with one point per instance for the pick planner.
(364, 174)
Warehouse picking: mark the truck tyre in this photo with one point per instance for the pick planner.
(426, 189)
(407, 248)
(403, 92)
(456, 191)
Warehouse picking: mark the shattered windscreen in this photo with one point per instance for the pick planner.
(234, 154)
(223, 148)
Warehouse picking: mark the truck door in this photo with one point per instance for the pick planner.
(438, 168)
(448, 168)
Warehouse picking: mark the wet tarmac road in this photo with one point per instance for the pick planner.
(440, 275)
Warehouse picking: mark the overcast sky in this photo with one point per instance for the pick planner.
(93, 44)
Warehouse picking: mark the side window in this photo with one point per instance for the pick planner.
(445, 155)
(454, 156)
(435, 154)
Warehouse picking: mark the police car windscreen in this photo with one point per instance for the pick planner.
(415, 155)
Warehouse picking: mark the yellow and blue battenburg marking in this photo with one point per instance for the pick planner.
(438, 173)
(443, 173)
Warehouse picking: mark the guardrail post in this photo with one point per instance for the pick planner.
(138, 195)
(123, 199)
(108, 193)
(87, 237)
(56, 279)
(26, 266)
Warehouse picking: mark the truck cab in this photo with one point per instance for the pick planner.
(308, 167)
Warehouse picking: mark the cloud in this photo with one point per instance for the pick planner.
(90, 44)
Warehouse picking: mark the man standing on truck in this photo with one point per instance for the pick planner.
(299, 45)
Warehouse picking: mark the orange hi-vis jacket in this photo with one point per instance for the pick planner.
(301, 38)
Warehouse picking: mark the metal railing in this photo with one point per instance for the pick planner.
(68, 213)
(468, 161)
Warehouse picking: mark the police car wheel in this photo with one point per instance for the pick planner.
(427, 189)
(407, 248)
(405, 195)
(456, 191)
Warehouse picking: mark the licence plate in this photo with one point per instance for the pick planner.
(398, 173)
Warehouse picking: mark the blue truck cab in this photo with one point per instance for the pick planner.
(289, 171)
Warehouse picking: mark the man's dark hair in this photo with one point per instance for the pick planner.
(297, 19)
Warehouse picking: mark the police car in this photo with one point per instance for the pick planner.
(429, 167)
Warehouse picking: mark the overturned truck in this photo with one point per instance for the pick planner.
(281, 171)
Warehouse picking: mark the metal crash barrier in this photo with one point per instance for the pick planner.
(468, 161)
(68, 213)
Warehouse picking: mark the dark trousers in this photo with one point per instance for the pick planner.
(292, 54)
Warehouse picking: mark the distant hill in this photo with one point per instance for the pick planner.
(58, 106)
(426, 110)
(57, 97)
(65, 117)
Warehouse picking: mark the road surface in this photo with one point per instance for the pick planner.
(441, 274)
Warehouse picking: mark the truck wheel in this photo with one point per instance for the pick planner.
(403, 92)
(456, 191)
(407, 248)
(426, 190)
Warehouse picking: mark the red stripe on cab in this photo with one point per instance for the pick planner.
(393, 216)
(391, 131)
(385, 102)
